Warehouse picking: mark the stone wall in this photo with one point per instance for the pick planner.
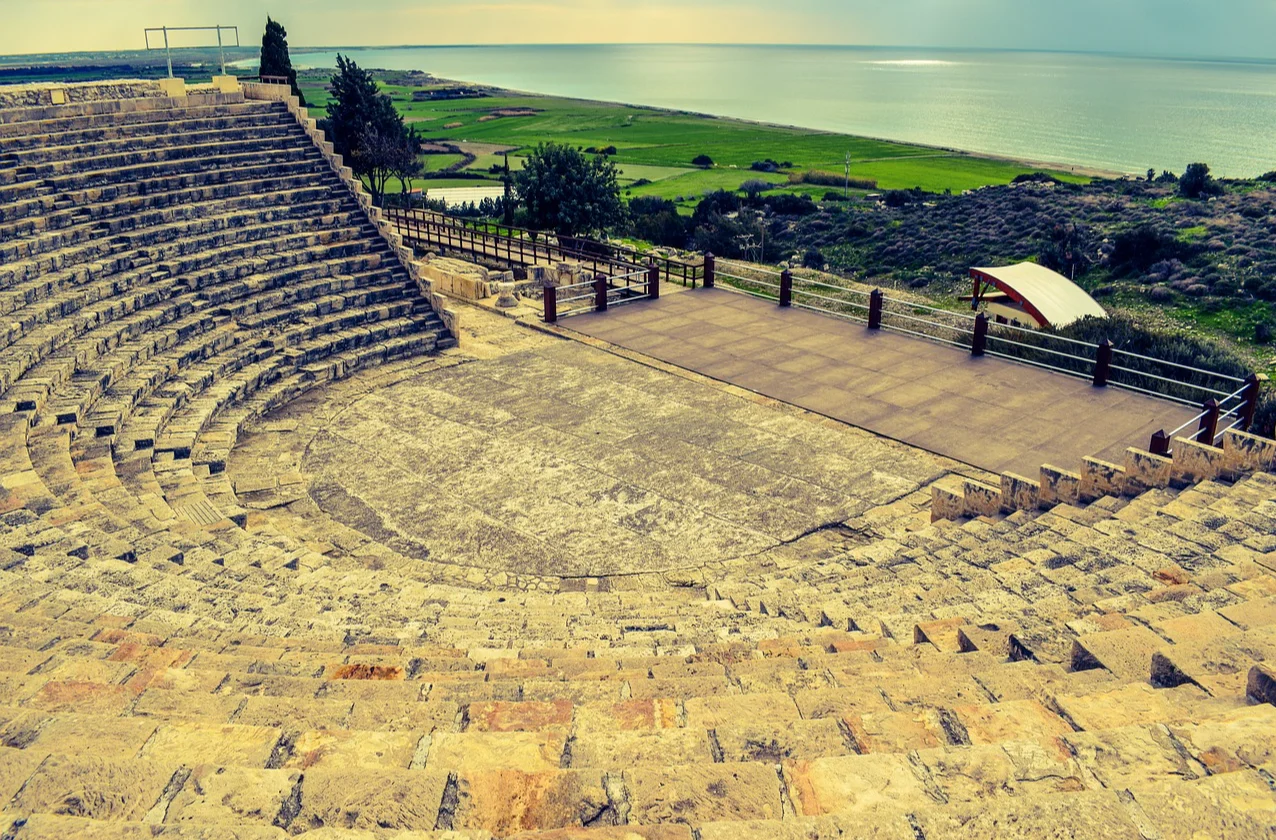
(44, 93)
(416, 269)
(1191, 463)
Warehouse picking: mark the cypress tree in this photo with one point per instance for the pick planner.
(274, 57)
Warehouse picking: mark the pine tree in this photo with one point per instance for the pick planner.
(364, 127)
(274, 57)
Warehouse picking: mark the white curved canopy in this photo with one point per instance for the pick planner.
(1052, 298)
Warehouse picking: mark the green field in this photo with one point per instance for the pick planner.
(659, 145)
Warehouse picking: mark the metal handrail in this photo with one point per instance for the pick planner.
(829, 299)
(748, 280)
(1170, 381)
(1041, 349)
(750, 267)
(1228, 377)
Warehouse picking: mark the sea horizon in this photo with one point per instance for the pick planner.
(1069, 109)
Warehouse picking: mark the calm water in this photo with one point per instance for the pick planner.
(1126, 114)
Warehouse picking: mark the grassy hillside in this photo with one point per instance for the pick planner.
(659, 146)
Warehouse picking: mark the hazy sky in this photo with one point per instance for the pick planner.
(1216, 28)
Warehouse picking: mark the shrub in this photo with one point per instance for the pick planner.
(834, 195)
(641, 182)
(1139, 249)
(1269, 177)
(703, 161)
(823, 178)
(786, 204)
(767, 165)
(1197, 183)
(813, 258)
(1036, 178)
(755, 187)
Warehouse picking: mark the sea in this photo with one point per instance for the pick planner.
(1108, 112)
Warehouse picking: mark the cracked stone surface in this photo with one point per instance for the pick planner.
(580, 464)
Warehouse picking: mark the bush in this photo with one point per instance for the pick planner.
(786, 204)
(831, 179)
(1197, 183)
(703, 161)
(767, 165)
(1269, 177)
(1139, 249)
(834, 195)
(813, 258)
(755, 187)
(1035, 178)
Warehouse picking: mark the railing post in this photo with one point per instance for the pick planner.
(653, 281)
(980, 341)
(600, 293)
(1209, 423)
(1160, 444)
(708, 271)
(875, 309)
(1103, 363)
(786, 288)
(551, 304)
(1252, 386)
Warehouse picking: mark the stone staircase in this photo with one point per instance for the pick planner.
(177, 662)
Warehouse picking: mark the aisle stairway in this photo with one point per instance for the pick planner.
(175, 665)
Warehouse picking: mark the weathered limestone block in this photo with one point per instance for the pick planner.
(1019, 493)
(1144, 471)
(1238, 804)
(226, 795)
(1195, 462)
(91, 787)
(507, 801)
(1101, 478)
(356, 799)
(1243, 451)
(696, 793)
(1261, 685)
(457, 278)
(1126, 653)
(855, 783)
(981, 499)
(947, 502)
(1089, 814)
(1059, 486)
(173, 88)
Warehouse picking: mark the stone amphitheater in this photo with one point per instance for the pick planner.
(279, 557)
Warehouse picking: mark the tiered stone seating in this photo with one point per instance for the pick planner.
(177, 662)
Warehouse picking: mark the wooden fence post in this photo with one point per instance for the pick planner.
(1103, 363)
(1160, 444)
(786, 288)
(875, 309)
(551, 304)
(600, 293)
(980, 342)
(1251, 393)
(1209, 423)
(708, 271)
(653, 281)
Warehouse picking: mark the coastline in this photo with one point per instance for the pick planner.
(1058, 166)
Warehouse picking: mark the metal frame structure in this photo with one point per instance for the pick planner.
(168, 50)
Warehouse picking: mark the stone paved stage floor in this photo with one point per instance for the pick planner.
(993, 414)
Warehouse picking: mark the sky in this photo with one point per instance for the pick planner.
(1171, 28)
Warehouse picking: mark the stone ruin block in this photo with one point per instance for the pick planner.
(1243, 451)
(1059, 486)
(947, 502)
(981, 499)
(1144, 471)
(1101, 478)
(1019, 493)
(1195, 462)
